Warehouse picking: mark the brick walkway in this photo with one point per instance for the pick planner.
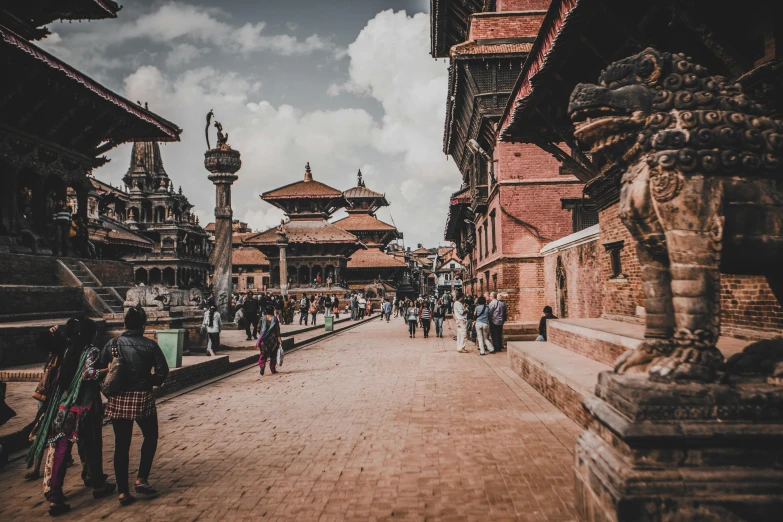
(366, 425)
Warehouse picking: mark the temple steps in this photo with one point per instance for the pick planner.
(520, 332)
(565, 369)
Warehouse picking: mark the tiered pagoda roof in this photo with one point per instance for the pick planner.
(375, 258)
(362, 222)
(307, 198)
(303, 231)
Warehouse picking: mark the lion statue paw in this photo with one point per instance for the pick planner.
(640, 359)
(688, 364)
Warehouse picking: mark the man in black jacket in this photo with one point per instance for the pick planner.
(251, 315)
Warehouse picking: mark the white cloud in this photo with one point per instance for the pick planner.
(177, 23)
(400, 152)
(263, 219)
(184, 53)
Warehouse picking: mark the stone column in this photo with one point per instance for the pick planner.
(283, 243)
(223, 165)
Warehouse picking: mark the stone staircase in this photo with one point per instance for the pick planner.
(565, 368)
(107, 295)
(81, 274)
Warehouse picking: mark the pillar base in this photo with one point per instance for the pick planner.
(677, 452)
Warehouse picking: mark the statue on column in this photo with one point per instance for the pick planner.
(699, 164)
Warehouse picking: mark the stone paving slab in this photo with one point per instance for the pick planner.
(367, 425)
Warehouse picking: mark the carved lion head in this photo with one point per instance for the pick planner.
(665, 109)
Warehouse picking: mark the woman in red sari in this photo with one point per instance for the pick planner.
(269, 340)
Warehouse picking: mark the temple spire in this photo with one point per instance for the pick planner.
(360, 183)
(308, 173)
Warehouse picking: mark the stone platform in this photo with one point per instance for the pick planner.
(565, 369)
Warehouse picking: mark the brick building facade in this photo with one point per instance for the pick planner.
(513, 196)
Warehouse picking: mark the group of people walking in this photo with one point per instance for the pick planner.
(420, 312)
(481, 319)
(71, 411)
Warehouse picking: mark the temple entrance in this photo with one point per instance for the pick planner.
(155, 276)
(169, 277)
(142, 276)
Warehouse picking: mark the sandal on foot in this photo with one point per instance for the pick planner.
(32, 475)
(127, 501)
(146, 489)
(58, 509)
(107, 489)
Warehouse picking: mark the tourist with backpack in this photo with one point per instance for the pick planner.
(481, 314)
(304, 304)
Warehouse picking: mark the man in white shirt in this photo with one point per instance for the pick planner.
(461, 318)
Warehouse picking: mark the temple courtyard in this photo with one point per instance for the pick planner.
(367, 424)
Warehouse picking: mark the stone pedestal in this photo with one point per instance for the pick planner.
(223, 165)
(678, 452)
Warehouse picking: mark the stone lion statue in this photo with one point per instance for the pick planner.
(161, 297)
(699, 164)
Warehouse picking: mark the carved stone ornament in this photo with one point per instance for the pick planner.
(700, 193)
(219, 161)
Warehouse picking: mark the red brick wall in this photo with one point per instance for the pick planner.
(490, 25)
(111, 273)
(567, 400)
(528, 215)
(584, 286)
(620, 296)
(747, 302)
(18, 269)
(525, 161)
(522, 5)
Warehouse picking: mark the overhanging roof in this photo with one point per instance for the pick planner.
(40, 101)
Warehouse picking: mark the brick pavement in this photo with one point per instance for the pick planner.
(366, 425)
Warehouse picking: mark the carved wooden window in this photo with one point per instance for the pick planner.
(584, 213)
(613, 249)
(494, 240)
(495, 282)
(479, 244)
(486, 239)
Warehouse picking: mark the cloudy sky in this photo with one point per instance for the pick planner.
(343, 84)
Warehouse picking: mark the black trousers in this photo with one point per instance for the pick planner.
(123, 433)
(496, 331)
(251, 321)
(425, 325)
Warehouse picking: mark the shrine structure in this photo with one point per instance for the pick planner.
(370, 267)
(314, 249)
(151, 207)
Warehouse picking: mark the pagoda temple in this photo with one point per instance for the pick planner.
(153, 208)
(316, 249)
(373, 265)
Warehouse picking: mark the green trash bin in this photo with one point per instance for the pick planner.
(171, 343)
(328, 323)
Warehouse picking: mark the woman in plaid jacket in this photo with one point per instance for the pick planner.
(135, 402)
